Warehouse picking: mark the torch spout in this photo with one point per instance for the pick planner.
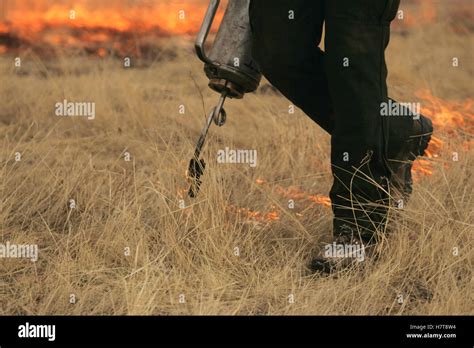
(196, 165)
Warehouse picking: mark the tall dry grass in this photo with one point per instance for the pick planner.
(190, 251)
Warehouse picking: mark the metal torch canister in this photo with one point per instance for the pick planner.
(229, 66)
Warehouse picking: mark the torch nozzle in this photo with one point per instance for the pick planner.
(196, 165)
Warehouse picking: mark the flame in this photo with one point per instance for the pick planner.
(291, 192)
(450, 116)
(295, 193)
(172, 17)
(255, 215)
(451, 119)
(99, 23)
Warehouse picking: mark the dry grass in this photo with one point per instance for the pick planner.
(191, 251)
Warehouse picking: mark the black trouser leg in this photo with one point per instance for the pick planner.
(286, 49)
(287, 52)
(286, 35)
(357, 33)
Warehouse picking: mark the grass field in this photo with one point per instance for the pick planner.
(135, 244)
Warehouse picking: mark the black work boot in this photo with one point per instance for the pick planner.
(346, 251)
(401, 179)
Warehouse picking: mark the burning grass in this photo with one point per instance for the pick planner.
(99, 28)
(135, 244)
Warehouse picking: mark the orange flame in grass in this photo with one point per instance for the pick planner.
(95, 24)
(255, 215)
(295, 193)
(175, 17)
(291, 192)
(450, 119)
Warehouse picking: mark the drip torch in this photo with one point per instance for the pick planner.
(230, 68)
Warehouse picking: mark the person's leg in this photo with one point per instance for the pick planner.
(357, 33)
(286, 35)
(285, 38)
(289, 57)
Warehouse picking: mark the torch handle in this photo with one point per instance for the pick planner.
(204, 31)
